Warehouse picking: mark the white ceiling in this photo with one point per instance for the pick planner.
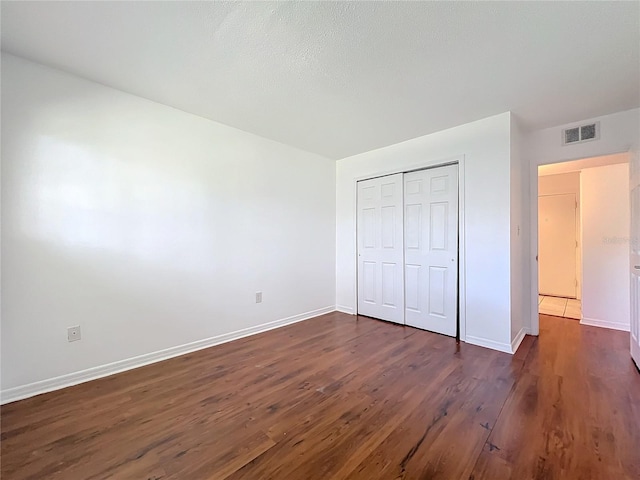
(344, 78)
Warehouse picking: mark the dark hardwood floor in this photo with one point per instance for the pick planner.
(340, 398)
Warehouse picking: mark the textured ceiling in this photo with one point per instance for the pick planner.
(347, 77)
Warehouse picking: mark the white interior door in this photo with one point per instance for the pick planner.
(380, 255)
(557, 245)
(431, 249)
(635, 257)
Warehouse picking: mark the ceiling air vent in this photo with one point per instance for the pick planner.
(583, 133)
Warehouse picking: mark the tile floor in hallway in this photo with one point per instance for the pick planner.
(559, 307)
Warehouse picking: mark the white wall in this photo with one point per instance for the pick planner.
(520, 275)
(559, 184)
(565, 183)
(618, 132)
(605, 238)
(485, 146)
(148, 227)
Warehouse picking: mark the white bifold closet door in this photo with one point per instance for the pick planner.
(407, 234)
(431, 249)
(380, 254)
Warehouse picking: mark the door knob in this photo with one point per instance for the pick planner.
(637, 267)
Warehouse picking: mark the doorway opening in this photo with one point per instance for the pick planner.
(583, 232)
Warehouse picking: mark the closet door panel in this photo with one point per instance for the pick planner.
(380, 248)
(431, 249)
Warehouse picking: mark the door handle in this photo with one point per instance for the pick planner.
(637, 267)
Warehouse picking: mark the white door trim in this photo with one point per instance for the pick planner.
(634, 253)
(434, 163)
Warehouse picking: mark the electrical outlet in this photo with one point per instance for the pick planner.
(258, 297)
(73, 333)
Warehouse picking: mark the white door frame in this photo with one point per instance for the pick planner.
(634, 264)
(459, 160)
(533, 240)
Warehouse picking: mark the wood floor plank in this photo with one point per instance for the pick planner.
(345, 397)
(574, 420)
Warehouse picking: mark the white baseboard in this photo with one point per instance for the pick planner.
(592, 322)
(344, 309)
(68, 380)
(493, 345)
(515, 343)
